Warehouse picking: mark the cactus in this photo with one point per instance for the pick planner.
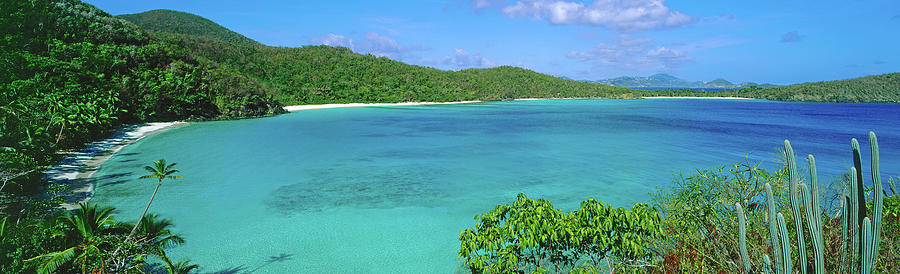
(893, 187)
(773, 227)
(853, 226)
(814, 187)
(860, 184)
(864, 233)
(745, 257)
(784, 244)
(878, 200)
(815, 230)
(795, 203)
(866, 263)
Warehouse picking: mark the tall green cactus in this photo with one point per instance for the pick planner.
(815, 230)
(814, 186)
(795, 203)
(863, 232)
(866, 263)
(784, 244)
(893, 187)
(742, 228)
(878, 199)
(852, 225)
(860, 184)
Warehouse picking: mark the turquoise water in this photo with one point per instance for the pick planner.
(388, 189)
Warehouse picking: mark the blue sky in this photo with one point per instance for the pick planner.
(779, 42)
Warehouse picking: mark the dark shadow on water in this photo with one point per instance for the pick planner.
(127, 160)
(127, 154)
(232, 270)
(280, 258)
(117, 182)
(114, 176)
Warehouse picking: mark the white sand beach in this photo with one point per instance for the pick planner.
(694, 97)
(307, 107)
(533, 99)
(76, 168)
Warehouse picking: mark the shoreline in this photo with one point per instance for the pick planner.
(325, 106)
(76, 169)
(697, 97)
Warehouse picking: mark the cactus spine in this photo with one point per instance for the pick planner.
(745, 257)
(795, 203)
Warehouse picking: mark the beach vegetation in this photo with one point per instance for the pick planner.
(532, 236)
(727, 219)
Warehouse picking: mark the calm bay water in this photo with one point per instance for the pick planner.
(388, 189)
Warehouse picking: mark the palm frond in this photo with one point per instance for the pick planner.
(2, 228)
(51, 262)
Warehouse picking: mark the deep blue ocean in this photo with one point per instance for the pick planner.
(388, 189)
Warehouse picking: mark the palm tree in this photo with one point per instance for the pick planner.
(82, 230)
(160, 171)
(182, 267)
(159, 237)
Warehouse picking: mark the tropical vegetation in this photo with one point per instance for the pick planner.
(72, 73)
(732, 219)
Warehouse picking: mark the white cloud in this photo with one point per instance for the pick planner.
(483, 4)
(617, 15)
(372, 43)
(334, 40)
(632, 53)
(464, 59)
(382, 46)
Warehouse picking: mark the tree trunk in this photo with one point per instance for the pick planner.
(145, 211)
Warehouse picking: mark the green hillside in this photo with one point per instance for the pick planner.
(883, 88)
(185, 23)
(72, 72)
(324, 74)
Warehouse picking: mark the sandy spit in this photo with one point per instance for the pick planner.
(77, 168)
(306, 107)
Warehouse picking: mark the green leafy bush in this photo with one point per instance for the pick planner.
(531, 235)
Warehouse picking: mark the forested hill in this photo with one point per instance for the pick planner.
(884, 88)
(70, 72)
(185, 23)
(324, 74)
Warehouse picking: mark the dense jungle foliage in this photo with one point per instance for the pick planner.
(324, 74)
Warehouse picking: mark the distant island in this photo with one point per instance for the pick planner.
(663, 81)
